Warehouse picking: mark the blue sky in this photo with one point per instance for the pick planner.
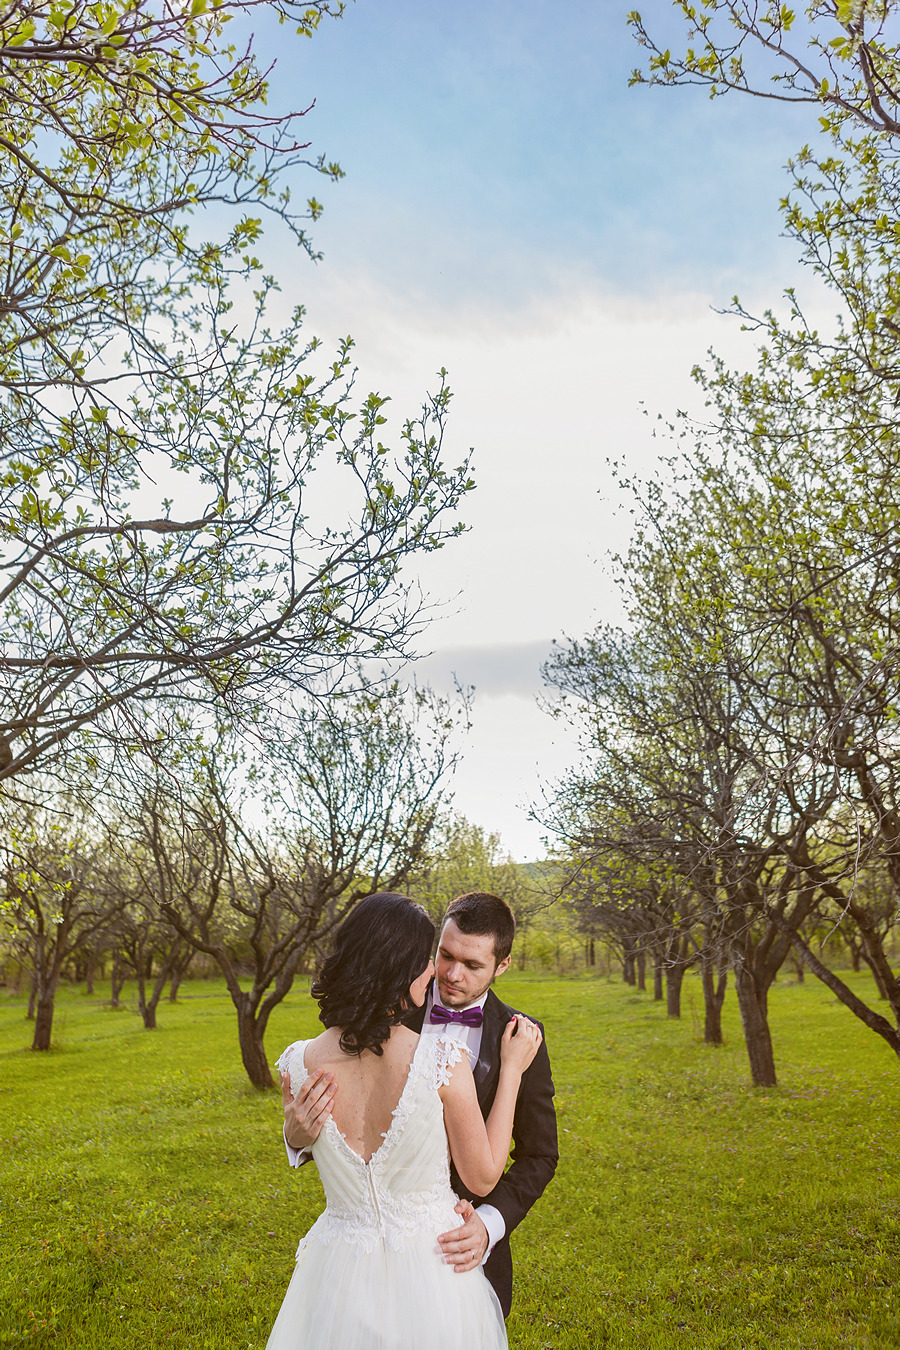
(480, 132)
(513, 211)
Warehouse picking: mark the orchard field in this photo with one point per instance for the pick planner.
(146, 1201)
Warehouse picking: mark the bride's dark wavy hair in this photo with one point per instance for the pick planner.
(382, 946)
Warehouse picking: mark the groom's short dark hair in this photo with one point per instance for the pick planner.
(478, 913)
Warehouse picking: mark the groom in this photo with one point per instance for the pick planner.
(473, 950)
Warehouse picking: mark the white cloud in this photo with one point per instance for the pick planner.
(505, 669)
(514, 749)
(547, 388)
(546, 391)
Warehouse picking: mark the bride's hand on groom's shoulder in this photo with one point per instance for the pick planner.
(306, 1113)
(521, 1042)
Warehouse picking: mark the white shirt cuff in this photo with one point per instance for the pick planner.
(298, 1156)
(494, 1223)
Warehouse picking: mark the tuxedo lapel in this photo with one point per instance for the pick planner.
(487, 1068)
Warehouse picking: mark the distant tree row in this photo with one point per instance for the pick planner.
(740, 790)
(249, 859)
(244, 871)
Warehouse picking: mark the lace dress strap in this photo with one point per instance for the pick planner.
(291, 1061)
(440, 1055)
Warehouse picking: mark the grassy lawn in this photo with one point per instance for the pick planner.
(146, 1201)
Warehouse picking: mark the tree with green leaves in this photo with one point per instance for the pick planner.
(144, 944)
(684, 775)
(464, 857)
(54, 902)
(160, 434)
(839, 55)
(255, 858)
(797, 469)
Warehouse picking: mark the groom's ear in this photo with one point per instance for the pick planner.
(502, 966)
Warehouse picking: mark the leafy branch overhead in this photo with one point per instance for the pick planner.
(163, 413)
(115, 122)
(840, 54)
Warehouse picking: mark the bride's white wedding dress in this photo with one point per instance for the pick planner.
(369, 1273)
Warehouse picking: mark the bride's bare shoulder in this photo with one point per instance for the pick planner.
(323, 1050)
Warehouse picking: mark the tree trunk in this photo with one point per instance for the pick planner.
(253, 1054)
(867, 1015)
(142, 997)
(32, 1000)
(117, 980)
(89, 975)
(149, 1005)
(179, 970)
(628, 968)
(641, 969)
(43, 1021)
(713, 997)
(712, 1019)
(755, 1021)
(876, 976)
(798, 969)
(147, 1008)
(872, 942)
(674, 981)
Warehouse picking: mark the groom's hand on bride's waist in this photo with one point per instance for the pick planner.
(464, 1247)
(305, 1114)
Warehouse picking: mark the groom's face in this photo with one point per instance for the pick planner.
(465, 965)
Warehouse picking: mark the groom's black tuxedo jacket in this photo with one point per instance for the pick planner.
(535, 1151)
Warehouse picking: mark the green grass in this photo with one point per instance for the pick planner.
(146, 1200)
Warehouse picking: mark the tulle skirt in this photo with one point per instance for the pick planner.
(343, 1298)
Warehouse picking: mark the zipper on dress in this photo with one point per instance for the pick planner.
(376, 1206)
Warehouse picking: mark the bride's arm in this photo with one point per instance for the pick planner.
(480, 1147)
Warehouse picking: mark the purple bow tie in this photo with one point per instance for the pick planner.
(469, 1017)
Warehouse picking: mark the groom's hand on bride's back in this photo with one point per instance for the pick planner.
(306, 1114)
(464, 1247)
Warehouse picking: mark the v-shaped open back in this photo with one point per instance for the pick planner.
(388, 1118)
(369, 1273)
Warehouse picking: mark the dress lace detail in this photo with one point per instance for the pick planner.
(373, 1212)
(369, 1273)
(285, 1062)
(447, 1054)
(390, 1220)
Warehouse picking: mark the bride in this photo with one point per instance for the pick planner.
(369, 1273)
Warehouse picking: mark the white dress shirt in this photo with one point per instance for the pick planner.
(470, 1037)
